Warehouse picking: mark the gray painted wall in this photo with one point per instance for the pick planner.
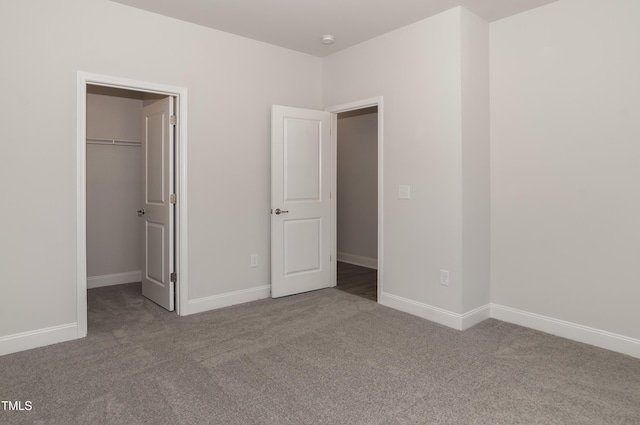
(565, 180)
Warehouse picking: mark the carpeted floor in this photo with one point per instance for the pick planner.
(325, 357)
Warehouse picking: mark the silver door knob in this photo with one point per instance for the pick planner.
(141, 212)
(278, 211)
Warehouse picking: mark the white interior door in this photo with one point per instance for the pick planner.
(300, 200)
(158, 212)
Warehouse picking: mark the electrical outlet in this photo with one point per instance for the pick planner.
(444, 277)
(404, 191)
(254, 260)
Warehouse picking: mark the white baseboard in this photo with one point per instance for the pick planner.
(435, 314)
(596, 337)
(475, 316)
(230, 298)
(38, 338)
(573, 331)
(113, 279)
(599, 338)
(358, 260)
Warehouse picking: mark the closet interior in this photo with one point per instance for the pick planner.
(114, 188)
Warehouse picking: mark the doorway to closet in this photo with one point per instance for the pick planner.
(171, 163)
(130, 179)
(357, 202)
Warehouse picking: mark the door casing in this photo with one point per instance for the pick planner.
(335, 110)
(180, 93)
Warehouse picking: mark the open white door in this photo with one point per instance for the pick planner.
(158, 212)
(300, 200)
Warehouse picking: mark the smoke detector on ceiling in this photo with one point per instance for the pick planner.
(328, 39)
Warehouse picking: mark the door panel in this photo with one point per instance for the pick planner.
(155, 240)
(157, 180)
(154, 164)
(300, 186)
(302, 149)
(302, 247)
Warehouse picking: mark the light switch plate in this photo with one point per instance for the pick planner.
(404, 191)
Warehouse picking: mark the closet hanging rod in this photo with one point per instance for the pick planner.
(96, 141)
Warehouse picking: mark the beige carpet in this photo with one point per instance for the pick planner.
(324, 357)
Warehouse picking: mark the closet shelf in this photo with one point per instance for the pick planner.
(115, 142)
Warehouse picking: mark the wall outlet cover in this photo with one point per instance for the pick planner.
(404, 191)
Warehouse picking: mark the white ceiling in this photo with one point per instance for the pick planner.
(300, 24)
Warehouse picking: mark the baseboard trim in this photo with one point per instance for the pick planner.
(435, 314)
(358, 260)
(113, 279)
(38, 338)
(599, 338)
(475, 316)
(200, 305)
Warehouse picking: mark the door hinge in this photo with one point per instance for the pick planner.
(173, 277)
(172, 198)
(172, 120)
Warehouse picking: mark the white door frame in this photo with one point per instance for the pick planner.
(335, 110)
(180, 93)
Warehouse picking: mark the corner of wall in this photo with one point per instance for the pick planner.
(475, 157)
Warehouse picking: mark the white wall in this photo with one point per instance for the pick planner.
(357, 187)
(565, 114)
(231, 82)
(114, 187)
(417, 69)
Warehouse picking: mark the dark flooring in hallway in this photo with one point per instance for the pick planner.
(357, 280)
